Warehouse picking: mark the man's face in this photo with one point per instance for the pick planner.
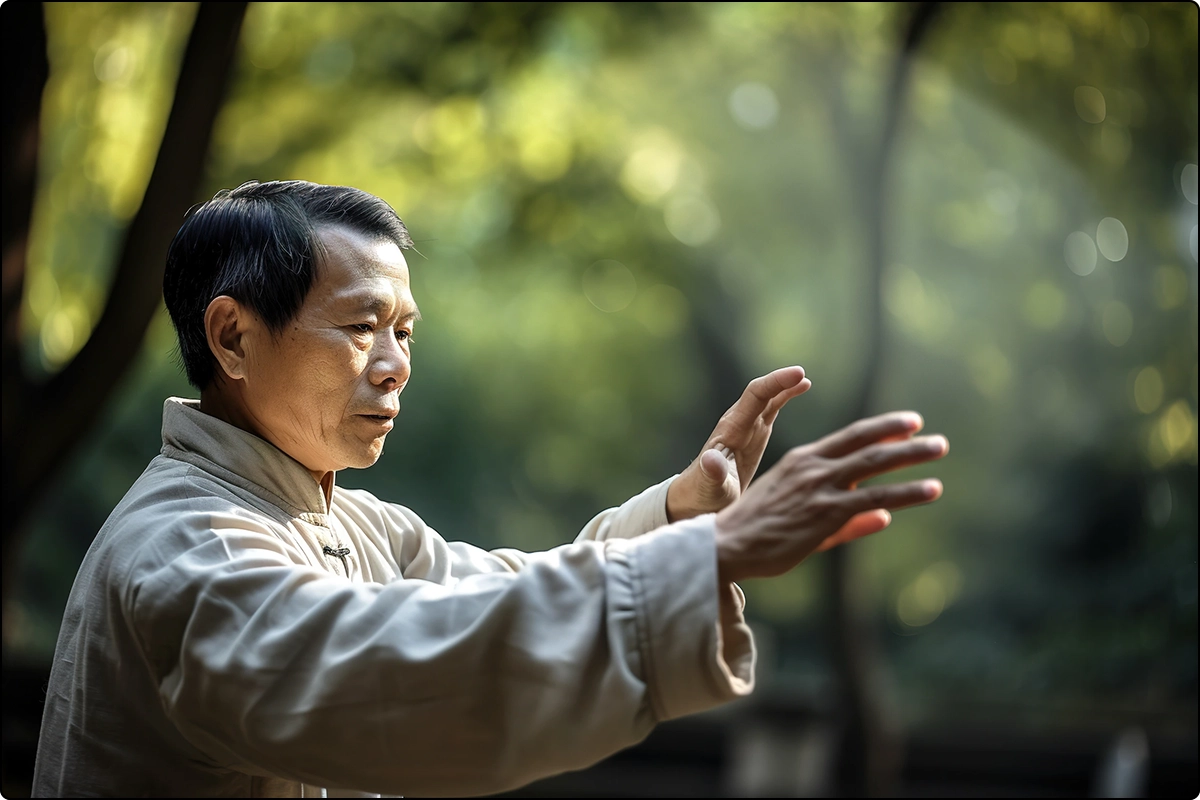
(325, 389)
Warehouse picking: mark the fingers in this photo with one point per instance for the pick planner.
(891, 496)
(893, 425)
(860, 525)
(780, 400)
(769, 393)
(765, 387)
(882, 457)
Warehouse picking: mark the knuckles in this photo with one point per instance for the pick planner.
(796, 457)
(876, 456)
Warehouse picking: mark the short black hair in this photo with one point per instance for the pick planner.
(258, 244)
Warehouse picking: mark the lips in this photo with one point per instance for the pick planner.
(381, 416)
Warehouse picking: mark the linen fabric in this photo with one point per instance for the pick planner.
(230, 633)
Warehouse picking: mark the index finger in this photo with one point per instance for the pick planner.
(765, 390)
(857, 435)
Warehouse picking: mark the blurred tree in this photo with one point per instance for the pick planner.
(44, 421)
(871, 755)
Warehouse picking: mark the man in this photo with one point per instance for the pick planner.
(243, 627)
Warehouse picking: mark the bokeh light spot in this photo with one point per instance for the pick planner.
(754, 106)
(114, 63)
(691, 219)
(1176, 430)
(1089, 104)
(58, 338)
(609, 285)
(651, 170)
(1187, 183)
(1148, 390)
(1112, 239)
(934, 590)
(64, 331)
(1080, 252)
(545, 155)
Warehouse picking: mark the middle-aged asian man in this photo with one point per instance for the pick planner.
(242, 626)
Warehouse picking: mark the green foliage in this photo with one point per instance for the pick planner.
(613, 203)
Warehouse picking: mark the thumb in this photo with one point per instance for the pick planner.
(860, 525)
(715, 469)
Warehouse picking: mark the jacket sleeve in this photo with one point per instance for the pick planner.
(420, 688)
(420, 552)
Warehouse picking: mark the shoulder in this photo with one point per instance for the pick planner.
(175, 533)
(172, 497)
(365, 510)
(178, 518)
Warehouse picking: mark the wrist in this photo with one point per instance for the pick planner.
(679, 505)
(726, 558)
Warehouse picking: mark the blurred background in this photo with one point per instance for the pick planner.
(624, 212)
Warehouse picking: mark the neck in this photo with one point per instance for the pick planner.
(220, 404)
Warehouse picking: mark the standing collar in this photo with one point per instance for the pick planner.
(239, 457)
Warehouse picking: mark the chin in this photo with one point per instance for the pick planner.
(362, 460)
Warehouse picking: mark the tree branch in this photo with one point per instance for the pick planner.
(27, 69)
(55, 416)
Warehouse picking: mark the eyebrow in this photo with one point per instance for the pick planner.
(376, 305)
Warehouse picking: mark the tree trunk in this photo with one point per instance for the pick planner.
(45, 422)
(25, 73)
(871, 749)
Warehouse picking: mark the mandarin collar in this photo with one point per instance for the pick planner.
(241, 458)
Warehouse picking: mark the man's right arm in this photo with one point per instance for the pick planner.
(270, 667)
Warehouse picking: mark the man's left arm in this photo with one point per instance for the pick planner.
(713, 480)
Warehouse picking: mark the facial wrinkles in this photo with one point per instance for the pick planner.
(304, 394)
(330, 368)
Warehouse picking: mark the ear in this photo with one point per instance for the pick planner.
(226, 324)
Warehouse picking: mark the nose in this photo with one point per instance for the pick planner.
(390, 363)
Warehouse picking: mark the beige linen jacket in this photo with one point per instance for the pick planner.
(230, 635)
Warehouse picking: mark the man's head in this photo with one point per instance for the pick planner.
(293, 309)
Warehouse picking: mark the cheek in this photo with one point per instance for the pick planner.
(327, 380)
(313, 379)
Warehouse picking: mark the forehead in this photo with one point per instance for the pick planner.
(356, 267)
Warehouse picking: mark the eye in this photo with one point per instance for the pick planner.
(361, 328)
(404, 336)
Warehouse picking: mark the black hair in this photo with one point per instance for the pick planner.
(258, 244)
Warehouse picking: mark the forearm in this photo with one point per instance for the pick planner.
(520, 675)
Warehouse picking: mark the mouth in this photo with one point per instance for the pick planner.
(384, 420)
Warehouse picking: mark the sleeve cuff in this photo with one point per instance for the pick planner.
(692, 659)
(640, 514)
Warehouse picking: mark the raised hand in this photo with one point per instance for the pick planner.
(811, 501)
(732, 453)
